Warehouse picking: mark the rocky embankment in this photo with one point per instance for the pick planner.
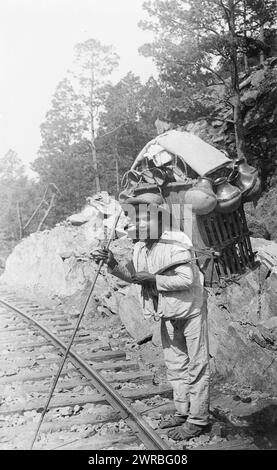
(258, 98)
(243, 325)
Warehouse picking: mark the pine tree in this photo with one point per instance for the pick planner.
(126, 124)
(95, 62)
(18, 196)
(64, 156)
(64, 123)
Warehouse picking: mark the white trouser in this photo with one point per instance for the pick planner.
(186, 354)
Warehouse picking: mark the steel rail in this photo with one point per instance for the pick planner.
(147, 435)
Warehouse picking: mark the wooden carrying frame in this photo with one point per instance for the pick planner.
(229, 235)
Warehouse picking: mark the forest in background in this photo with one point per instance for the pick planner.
(94, 129)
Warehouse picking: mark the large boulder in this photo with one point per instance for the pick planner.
(243, 324)
(57, 263)
(242, 350)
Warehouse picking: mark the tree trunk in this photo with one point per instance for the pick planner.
(43, 200)
(21, 232)
(51, 204)
(92, 130)
(262, 38)
(246, 64)
(245, 58)
(94, 161)
(238, 122)
(238, 125)
(117, 169)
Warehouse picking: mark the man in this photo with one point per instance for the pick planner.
(172, 288)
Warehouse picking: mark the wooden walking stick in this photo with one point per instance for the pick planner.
(73, 335)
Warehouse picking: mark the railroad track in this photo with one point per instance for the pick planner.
(87, 411)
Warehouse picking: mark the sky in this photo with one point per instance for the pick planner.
(36, 49)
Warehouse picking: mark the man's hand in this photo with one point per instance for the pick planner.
(143, 277)
(102, 254)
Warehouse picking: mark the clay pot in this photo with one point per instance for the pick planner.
(228, 196)
(254, 192)
(247, 180)
(201, 197)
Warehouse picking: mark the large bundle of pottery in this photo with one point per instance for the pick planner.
(185, 170)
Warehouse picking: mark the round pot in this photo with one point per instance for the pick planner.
(254, 192)
(201, 197)
(228, 196)
(246, 179)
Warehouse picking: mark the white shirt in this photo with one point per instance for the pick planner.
(180, 288)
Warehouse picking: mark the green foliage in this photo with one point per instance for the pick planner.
(71, 171)
(64, 123)
(94, 62)
(11, 167)
(121, 103)
(260, 13)
(64, 153)
(126, 124)
(92, 56)
(15, 188)
(67, 154)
